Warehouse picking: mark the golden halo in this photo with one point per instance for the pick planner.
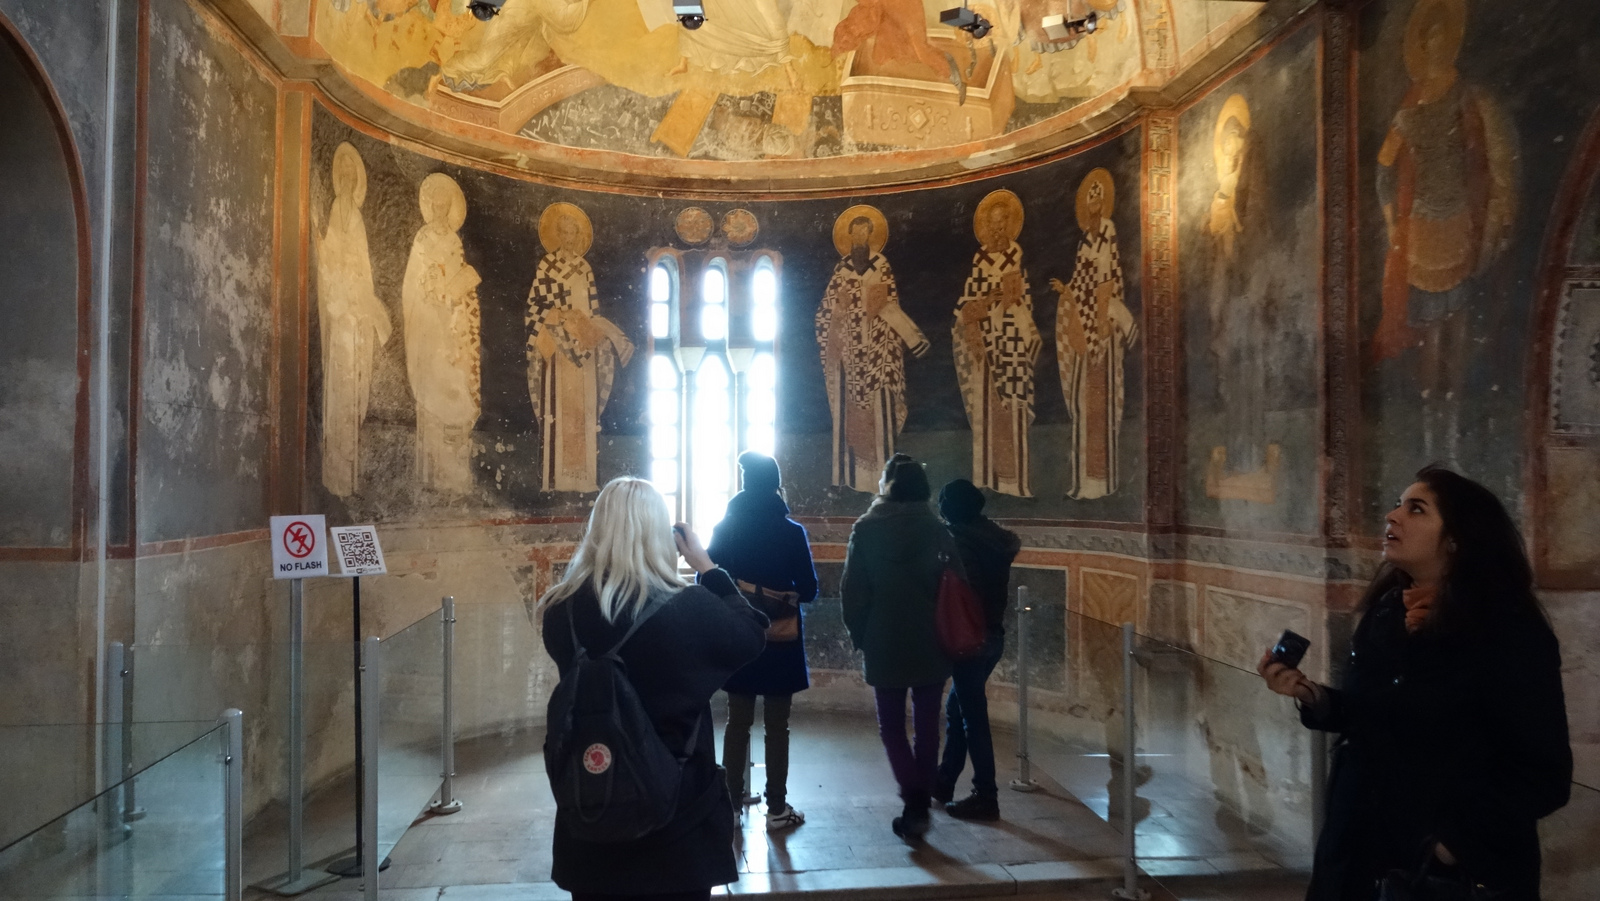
(841, 228)
(1451, 16)
(1234, 107)
(1001, 198)
(1108, 191)
(346, 154)
(438, 183)
(551, 219)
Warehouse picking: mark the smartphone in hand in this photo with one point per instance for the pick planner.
(1290, 649)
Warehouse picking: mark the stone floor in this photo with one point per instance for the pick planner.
(1049, 843)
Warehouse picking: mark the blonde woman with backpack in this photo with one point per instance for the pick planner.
(677, 644)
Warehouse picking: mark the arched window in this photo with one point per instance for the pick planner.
(713, 376)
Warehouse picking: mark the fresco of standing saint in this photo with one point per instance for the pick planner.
(996, 345)
(353, 323)
(440, 301)
(1236, 228)
(573, 352)
(1094, 331)
(1447, 182)
(862, 333)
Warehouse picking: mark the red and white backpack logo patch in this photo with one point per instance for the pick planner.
(597, 759)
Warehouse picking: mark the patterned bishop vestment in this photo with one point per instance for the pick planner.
(1094, 330)
(572, 358)
(995, 346)
(863, 333)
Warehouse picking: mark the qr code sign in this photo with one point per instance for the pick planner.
(359, 551)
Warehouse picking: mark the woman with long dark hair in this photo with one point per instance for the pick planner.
(898, 550)
(1451, 720)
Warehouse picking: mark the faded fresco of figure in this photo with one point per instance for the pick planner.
(996, 344)
(511, 44)
(738, 36)
(1447, 175)
(573, 352)
(862, 332)
(1245, 468)
(353, 322)
(440, 302)
(1094, 331)
(895, 31)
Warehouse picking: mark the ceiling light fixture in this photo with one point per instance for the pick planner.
(1061, 28)
(965, 19)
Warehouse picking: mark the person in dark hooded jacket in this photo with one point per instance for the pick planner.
(986, 552)
(770, 557)
(897, 554)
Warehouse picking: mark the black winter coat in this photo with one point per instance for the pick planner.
(758, 542)
(1445, 739)
(676, 661)
(987, 551)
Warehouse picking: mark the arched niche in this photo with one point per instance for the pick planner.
(44, 273)
(1564, 428)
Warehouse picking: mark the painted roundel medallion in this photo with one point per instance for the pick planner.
(741, 227)
(693, 225)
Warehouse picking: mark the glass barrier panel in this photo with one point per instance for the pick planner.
(1226, 770)
(1075, 721)
(175, 848)
(503, 677)
(53, 766)
(411, 723)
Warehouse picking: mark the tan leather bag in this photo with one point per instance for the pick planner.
(781, 607)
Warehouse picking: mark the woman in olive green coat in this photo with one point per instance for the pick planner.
(898, 549)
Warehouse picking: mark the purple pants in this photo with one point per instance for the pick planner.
(913, 770)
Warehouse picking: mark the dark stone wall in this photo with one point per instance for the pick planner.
(206, 368)
(38, 349)
(930, 247)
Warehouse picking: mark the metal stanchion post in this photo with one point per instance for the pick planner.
(1024, 781)
(296, 880)
(233, 806)
(131, 811)
(111, 738)
(1130, 890)
(371, 694)
(448, 802)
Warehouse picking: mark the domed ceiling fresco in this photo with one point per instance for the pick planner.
(760, 79)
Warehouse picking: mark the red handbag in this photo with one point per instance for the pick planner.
(959, 617)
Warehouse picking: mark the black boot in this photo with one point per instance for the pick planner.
(913, 822)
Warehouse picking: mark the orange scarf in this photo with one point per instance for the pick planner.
(1419, 606)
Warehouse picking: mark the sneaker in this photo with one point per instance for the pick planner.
(787, 818)
(975, 807)
(943, 792)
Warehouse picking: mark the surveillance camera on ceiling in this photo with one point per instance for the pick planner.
(1061, 28)
(690, 15)
(484, 10)
(965, 19)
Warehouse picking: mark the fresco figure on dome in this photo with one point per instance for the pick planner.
(353, 321)
(996, 344)
(862, 333)
(1094, 332)
(739, 36)
(439, 298)
(573, 352)
(512, 43)
(1447, 181)
(895, 31)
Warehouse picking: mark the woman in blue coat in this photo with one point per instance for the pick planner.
(769, 556)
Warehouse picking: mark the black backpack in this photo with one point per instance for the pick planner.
(613, 777)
